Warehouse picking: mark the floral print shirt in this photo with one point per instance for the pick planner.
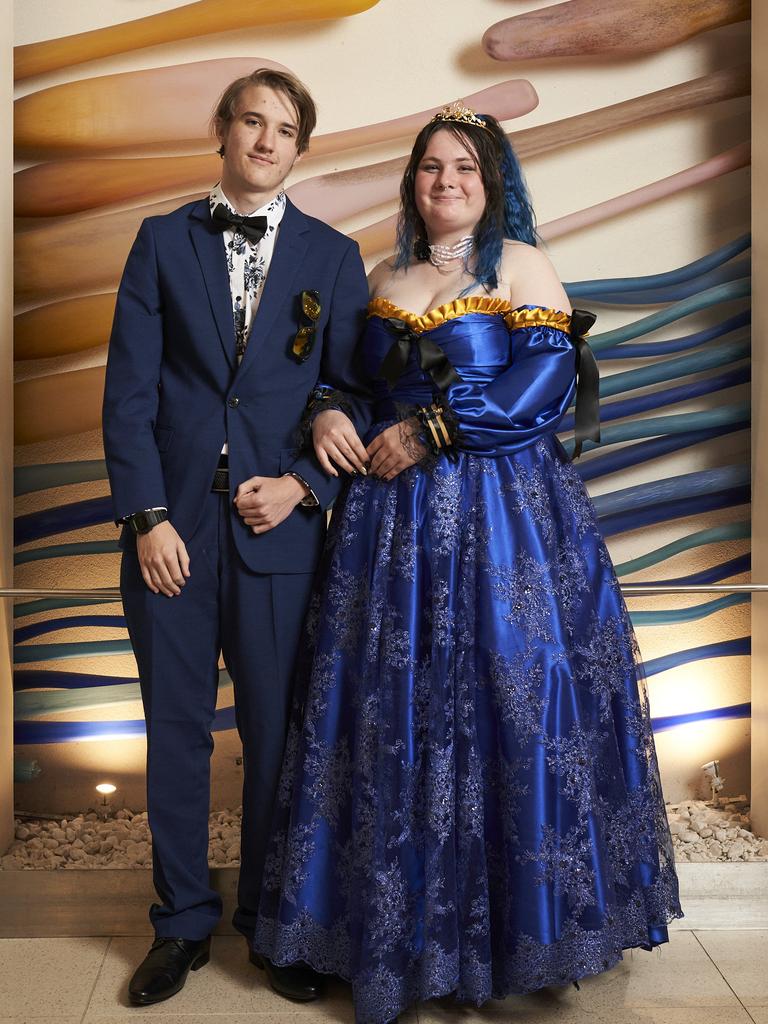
(248, 262)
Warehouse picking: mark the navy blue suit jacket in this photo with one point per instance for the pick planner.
(174, 393)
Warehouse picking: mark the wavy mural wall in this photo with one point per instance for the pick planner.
(99, 148)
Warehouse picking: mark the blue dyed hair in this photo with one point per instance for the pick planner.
(508, 212)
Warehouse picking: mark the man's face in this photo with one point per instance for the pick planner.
(259, 146)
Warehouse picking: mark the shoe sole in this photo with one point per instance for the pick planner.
(257, 961)
(201, 961)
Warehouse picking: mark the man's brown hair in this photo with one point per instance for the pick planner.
(280, 81)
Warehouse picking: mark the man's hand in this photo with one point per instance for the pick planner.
(163, 559)
(335, 437)
(395, 449)
(265, 501)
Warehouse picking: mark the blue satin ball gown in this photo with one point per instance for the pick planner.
(470, 801)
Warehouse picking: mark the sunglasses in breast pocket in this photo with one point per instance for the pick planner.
(309, 314)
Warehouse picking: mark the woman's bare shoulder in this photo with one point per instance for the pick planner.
(532, 278)
(380, 275)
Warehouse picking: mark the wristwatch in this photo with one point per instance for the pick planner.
(142, 522)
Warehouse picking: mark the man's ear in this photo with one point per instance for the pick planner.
(220, 130)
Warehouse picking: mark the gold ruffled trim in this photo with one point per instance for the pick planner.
(541, 316)
(440, 314)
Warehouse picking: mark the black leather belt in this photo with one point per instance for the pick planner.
(221, 477)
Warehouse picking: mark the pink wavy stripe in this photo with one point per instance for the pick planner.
(618, 27)
(379, 236)
(723, 163)
(506, 100)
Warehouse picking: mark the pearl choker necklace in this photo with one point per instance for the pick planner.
(440, 255)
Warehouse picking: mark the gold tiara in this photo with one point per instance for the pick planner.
(461, 114)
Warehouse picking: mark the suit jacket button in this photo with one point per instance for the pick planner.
(233, 403)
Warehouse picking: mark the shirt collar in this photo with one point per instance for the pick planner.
(273, 210)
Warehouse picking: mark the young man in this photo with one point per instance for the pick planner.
(229, 312)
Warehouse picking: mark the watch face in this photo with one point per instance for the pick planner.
(141, 522)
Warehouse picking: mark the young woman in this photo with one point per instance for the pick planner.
(471, 800)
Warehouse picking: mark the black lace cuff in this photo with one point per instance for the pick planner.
(321, 399)
(416, 434)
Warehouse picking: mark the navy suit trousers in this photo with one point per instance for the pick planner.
(255, 620)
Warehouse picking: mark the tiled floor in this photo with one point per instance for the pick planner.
(700, 977)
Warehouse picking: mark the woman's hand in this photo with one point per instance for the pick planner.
(395, 449)
(335, 437)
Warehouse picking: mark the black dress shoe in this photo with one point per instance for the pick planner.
(297, 981)
(163, 971)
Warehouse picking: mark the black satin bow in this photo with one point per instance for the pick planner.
(587, 382)
(254, 228)
(432, 359)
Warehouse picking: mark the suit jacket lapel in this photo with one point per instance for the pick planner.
(209, 247)
(289, 251)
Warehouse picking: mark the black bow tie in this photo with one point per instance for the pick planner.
(254, 228)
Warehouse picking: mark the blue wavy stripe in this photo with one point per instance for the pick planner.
(714, 574)
(634, 519)
(672, 292)
(662, 348)
(64, 652)
(49, 604)
(723, 649)
(667, 616)
(27, 479)
(669, 396)
(712, 535)
(645, 451)
(690, 485)
(672, 721)
(685, 273)
(86, 547)
(725, 416)
(645, 325)
(27, 733)
(34, 679)
(70, 732)
(45, 703)
(61, 519)
(671, 369)
(22, 633)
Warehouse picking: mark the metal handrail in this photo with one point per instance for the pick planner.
(627, 589)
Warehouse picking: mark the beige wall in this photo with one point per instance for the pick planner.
(6, 442)
(760, 427)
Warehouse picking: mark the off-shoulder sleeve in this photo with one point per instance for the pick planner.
(527, 400)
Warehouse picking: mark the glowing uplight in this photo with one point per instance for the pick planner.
(106, 788)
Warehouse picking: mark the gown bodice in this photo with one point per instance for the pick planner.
(508, 374)
(476, 343)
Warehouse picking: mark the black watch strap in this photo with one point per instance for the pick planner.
(142, 522)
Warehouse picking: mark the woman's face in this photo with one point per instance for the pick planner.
(448, 188)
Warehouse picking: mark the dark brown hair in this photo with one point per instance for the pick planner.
(507, 213)
(280, 81)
